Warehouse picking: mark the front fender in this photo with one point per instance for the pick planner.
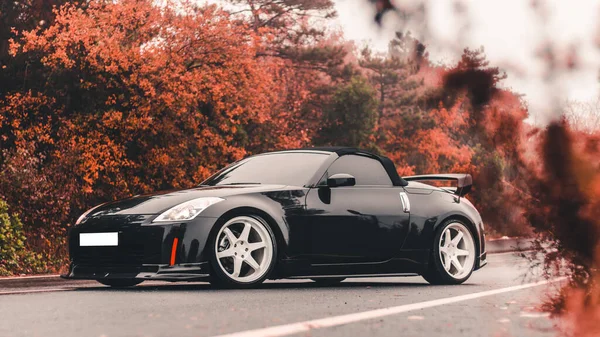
(275, 207)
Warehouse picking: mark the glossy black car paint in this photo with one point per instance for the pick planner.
(320, 230)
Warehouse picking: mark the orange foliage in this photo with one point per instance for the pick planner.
(126, 77)
(441, 146)
(127, 98)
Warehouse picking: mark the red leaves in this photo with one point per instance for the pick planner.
(137, 98)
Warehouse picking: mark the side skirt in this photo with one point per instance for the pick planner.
(354, 275)
(411, 263)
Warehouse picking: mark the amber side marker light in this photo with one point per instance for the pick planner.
(174, 251)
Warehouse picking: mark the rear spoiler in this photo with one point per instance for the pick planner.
(464, 181)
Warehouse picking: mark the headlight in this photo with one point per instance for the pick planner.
(187, 210)
(84, 215)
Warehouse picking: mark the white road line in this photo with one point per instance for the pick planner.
(294, 328)
(47, 290)
(27, 277)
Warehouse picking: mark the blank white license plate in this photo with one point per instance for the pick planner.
(98, 239)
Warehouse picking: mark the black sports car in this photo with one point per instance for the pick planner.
(320, 213)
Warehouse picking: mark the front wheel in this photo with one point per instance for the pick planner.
(244, 252)
(120, 283)
(453, 255)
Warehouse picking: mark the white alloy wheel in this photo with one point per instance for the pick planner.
(244, 249)
(457, 250)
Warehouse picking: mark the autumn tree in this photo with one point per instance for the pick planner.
(17, 16)
(128, 98)
(292, 25)
(395, 77)
(351, 117)
(22, 15)
(312, 59)
(16, 167)
(393, 74)
(494, 132)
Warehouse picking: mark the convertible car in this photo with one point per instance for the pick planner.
(321, 213)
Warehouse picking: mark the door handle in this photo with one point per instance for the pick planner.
(405, 202)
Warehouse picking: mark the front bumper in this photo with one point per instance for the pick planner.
(170, 252)
(185, 272)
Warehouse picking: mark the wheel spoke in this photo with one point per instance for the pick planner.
(448, 237)
(446, 262)
(246, 232)
(256, 245)
(237, 267)
(457, 265)
(226, 253)
(462, 252)
(252, 263)
(230, 236)
(457, 238)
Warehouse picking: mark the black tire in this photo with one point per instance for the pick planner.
(120, 283)
(220, 279)
(436, 274)
(330, 281)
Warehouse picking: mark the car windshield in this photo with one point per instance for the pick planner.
(284, 168)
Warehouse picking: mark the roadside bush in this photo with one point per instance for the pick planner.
(15, 258)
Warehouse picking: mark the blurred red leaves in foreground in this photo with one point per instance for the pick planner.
(106, 99)
(566, 195)
(565, 211)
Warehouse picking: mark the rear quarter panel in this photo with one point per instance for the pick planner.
(429, 211)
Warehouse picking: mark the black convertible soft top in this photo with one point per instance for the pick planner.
(387, 163)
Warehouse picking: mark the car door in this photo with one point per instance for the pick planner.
(361, 223)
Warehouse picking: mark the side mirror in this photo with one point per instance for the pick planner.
(341, 179)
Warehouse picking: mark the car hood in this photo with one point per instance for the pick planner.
(158, 202)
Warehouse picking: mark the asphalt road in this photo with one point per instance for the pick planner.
(499, 301)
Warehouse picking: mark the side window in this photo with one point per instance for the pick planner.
(366, 171)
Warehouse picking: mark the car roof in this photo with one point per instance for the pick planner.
(387, 163)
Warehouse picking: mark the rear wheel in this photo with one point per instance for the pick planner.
(120, 283)
(244, 252)
(453, 255)
(329, 281)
